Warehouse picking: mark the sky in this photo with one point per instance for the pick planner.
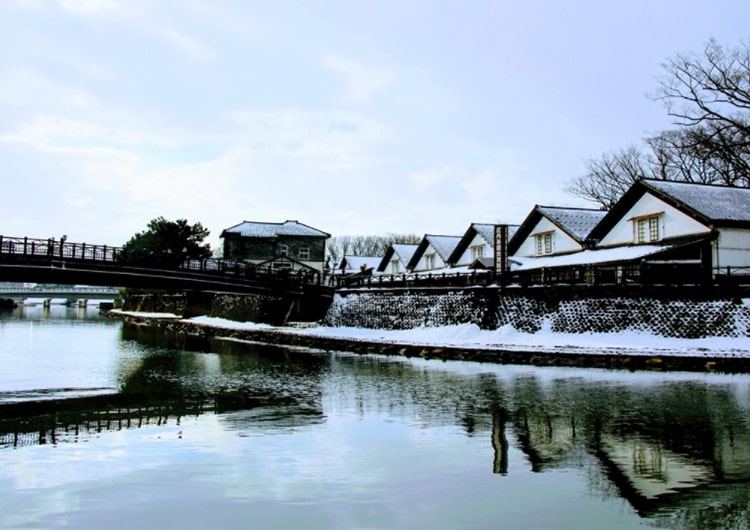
(354, 117)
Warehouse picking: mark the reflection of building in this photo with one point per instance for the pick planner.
(546, 441)
(652, 471)
(696, 447)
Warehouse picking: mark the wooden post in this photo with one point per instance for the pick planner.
(25, 242)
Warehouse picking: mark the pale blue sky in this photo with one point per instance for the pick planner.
(354, 117)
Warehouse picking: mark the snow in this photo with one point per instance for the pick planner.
(443, 245)
(577, 221)
(718, 203)
(509, 339)
(144, 314)
(586, 257)
(274, 230)
(355, 263)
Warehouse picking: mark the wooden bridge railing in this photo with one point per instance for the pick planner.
(57, 248)
(447, 279)
(26, 249)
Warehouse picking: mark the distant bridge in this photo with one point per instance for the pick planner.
(52, 261)
(63, 291)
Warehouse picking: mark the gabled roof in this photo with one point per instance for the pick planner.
(402, 250)
(486, 230)
(576, 222)
(287, 260)
(356, 262)
(274, 230)
(708, 204)
(443, 245)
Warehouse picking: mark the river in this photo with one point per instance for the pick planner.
(99, 430)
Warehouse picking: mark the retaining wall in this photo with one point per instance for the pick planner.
(682, 314)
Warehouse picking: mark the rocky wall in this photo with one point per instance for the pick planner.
(683, 317)
(238, 307)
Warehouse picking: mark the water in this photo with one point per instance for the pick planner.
(98, 430)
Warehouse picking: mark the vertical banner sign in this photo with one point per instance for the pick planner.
(501, 250)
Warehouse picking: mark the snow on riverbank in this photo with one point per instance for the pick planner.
(506, 338)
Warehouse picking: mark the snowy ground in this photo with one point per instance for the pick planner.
(508, 339)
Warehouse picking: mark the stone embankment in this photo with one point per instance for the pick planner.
(657, 313)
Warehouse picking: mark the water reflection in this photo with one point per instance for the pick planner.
(675, 446)
(39, 312)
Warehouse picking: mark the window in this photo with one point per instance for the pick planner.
(646, 229)
(544, 244)
(477, 252)
(283, 250)
(303, 253)
(394, 266)
(429, 261)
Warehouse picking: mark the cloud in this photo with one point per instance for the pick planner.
(187, 43)
(430, 179)
(362, 83)
(338, 140)
(88, 6)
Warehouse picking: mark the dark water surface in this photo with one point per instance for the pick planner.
(98, 430)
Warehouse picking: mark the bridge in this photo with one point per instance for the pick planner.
(70, 292)
(52, 261)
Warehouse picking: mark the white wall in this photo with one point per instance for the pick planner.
(439, 263)
(466, 256)
(673, 223)
(732, 249)
(562, 243)
(400, 267)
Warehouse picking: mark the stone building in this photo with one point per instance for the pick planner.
(289, 245)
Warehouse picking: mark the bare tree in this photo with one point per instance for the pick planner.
(365, 245)
(696, 155)
(710, 89)
(609, 176)
(708, 95)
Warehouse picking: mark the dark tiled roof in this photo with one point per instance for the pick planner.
(716, 203)
(578, 222)
(274, 230)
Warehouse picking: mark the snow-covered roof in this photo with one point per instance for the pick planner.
(716, 203)
(487, 231)
(578, 222)
(575, 222)
(356, 262)
(586, 257)
(274, 230)
(443, 245)
(404, 251)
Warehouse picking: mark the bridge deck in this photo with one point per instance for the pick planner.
(52, 261)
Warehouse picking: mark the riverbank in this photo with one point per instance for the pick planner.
(622, 350)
